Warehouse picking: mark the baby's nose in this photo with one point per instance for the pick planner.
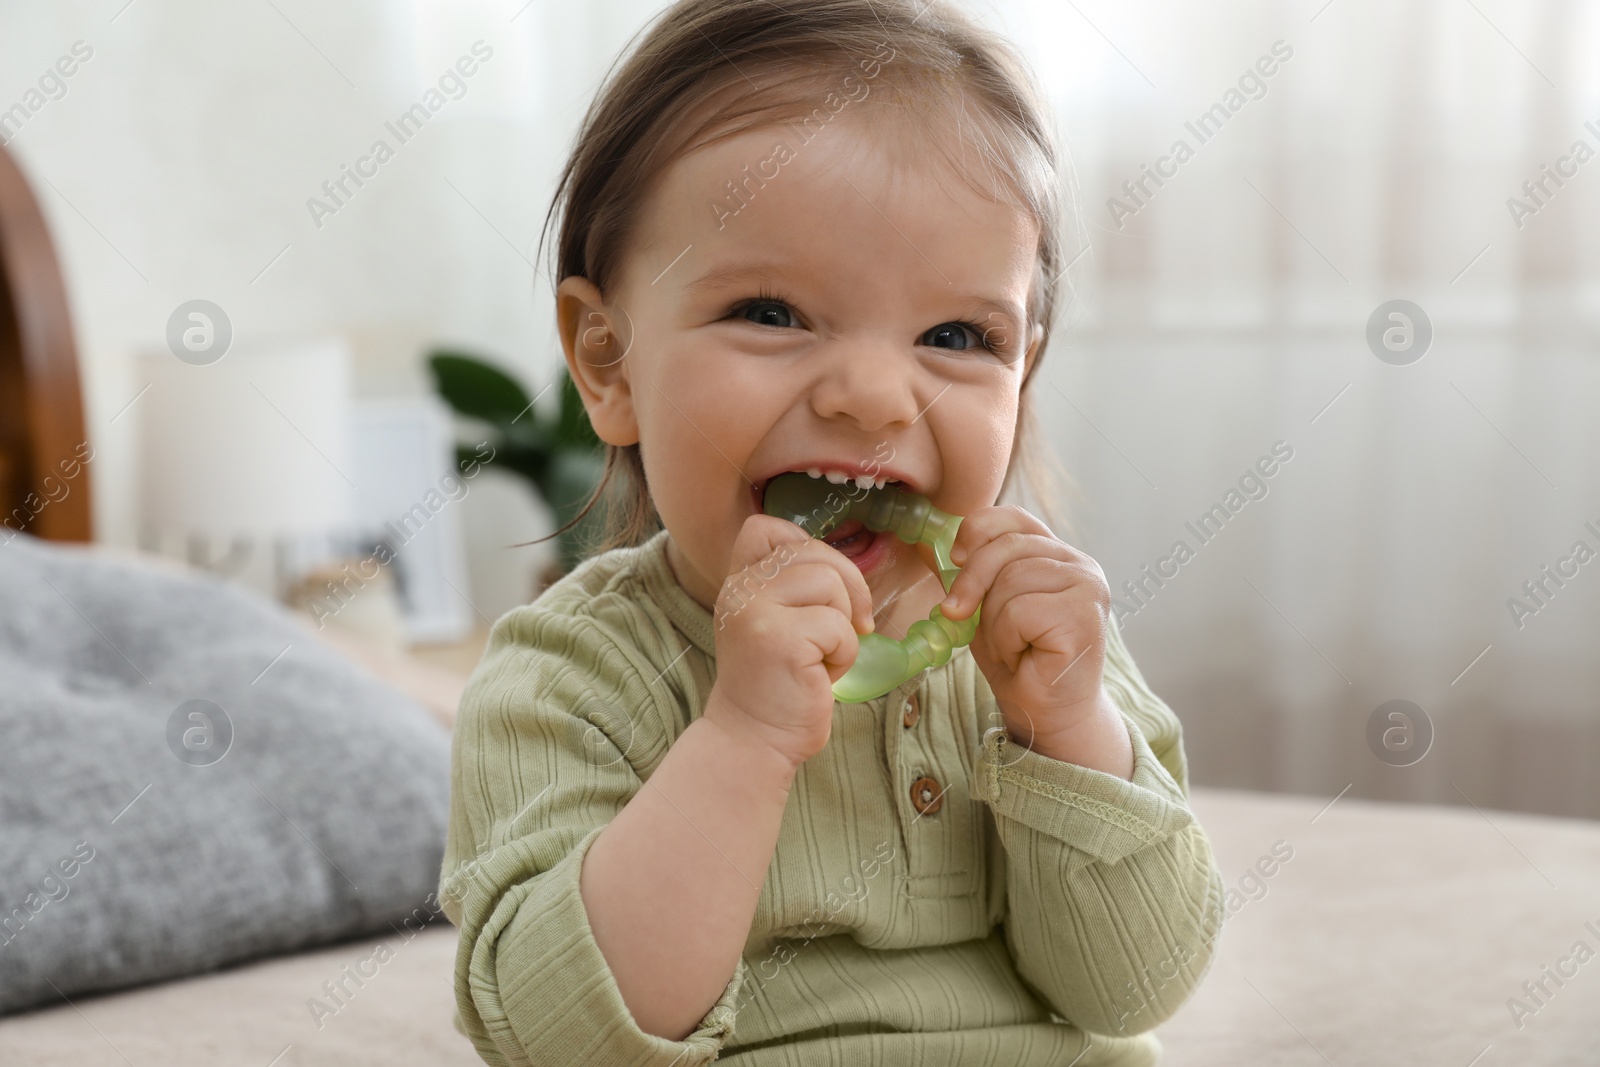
(868, 384)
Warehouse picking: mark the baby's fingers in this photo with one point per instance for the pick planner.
(760, 539)
(842, 577)
(776, 556)
(985, 564)
(829, 633)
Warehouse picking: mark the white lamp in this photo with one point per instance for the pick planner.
(254, 447)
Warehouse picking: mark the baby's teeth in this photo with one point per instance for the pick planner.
(878, 483)
(864, 481)
(837, 477)
(815, 472)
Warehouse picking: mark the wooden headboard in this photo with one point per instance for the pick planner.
(45, 457)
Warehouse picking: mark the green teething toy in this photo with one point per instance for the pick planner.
(817, 506)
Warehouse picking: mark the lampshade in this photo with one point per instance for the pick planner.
(253, 445)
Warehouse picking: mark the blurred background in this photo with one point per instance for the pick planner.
(1338, 156)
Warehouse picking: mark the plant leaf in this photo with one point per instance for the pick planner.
(479, 389)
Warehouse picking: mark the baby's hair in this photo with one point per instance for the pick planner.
(709, 69)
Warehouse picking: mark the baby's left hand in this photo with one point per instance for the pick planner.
(1041, 641)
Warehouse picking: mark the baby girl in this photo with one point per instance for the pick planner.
(817, 236)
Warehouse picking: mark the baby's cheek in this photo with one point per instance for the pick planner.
(988, 431)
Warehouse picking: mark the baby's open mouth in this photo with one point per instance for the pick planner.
(851, 537)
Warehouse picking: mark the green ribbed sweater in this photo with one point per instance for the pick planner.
(1042, 913)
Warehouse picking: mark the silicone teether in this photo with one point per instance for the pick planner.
(817, 506)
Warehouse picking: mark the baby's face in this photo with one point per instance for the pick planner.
(854, 312)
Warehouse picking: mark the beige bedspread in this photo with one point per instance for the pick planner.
(1394, 935)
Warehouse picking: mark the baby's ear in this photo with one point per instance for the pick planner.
(595, 349)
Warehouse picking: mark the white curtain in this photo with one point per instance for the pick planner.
(1228, 312)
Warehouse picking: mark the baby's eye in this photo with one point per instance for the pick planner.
(768, 313)
(953, 335)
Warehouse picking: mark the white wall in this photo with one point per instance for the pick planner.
(179, 161)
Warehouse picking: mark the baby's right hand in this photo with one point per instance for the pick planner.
(787, 623)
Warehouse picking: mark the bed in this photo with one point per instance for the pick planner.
(1358, 932)
(1395, 935)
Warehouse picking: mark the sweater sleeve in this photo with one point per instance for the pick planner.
(1113, 898)
(544, 756)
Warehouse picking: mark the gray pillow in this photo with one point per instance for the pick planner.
(129, 852)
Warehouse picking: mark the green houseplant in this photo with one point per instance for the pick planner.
(561, 457)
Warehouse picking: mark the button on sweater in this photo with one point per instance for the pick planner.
(939, 894)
